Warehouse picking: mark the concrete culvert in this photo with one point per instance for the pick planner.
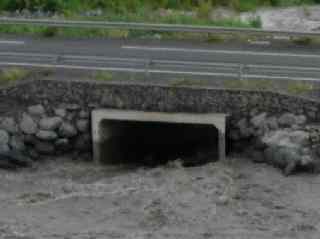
(150, 139)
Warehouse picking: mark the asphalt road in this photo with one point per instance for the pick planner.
(256, 61)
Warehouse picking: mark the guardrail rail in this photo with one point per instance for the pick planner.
(149, 27)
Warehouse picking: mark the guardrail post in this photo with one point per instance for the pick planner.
(241, 71)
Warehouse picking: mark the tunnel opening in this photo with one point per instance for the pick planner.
(154, 143)
(153, 138)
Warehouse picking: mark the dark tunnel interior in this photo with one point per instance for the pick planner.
(152, 143)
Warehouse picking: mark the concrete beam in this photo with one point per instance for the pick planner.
(99, 135)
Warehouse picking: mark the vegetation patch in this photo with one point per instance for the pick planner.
(103, 76)
(299, 87)
(11, 75)
(186, 82)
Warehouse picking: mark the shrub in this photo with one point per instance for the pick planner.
(10, 75)
(205, 9)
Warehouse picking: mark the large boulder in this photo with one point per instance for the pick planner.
(63, 145)
(286, 158)
(272, 123)
(71, 107)
(16, 143)
(84, 114)
(4, 148)
(259, 120)
(67, 130)
(47, 135)
(28, 125)
(288, 120)
(4, 137)
(244, 128)
(83, 125)
(299, 137)
(60, 112)
(9, 124)
(36, 110)
(46, 148)
(301, 120)
(50, 124)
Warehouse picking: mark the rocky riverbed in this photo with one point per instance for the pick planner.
(76, 200)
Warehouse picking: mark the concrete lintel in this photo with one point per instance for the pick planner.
(218, 120)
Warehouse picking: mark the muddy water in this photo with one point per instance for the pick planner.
(75, 200)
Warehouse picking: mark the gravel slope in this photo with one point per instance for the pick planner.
(63, 199)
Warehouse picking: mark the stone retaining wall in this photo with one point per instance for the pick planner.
(59, 117)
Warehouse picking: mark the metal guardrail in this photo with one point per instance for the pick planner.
(147, 66)
(149, 27)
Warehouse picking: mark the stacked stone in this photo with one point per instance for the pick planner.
(314, 132)
(285, 141)
(43, 132)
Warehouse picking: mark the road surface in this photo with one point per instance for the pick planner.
(252, 61)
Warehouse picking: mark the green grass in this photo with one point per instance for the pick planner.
(125, 6)
(137, 11)
(124, 34)
(291, 87)
(103, 76)
(11, 75)
(249, 84)
(299, 87)
(186, 82)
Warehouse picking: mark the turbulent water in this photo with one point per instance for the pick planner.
(74, 200)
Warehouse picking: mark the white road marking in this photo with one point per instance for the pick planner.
(12, 42)
(134, 70)
(227, 52)
(116, 69)
(89, 59)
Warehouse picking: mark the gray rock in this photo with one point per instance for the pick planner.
(50, 124)
(71, 116)
(72, 107)
(36, 110)
(9, 124)
(30, 139)
(67, 130)
(292, 159)
(272, 123)
(279, 138)
(245, 130)
(285, 158)
(46, 135)
(63, 145)
(301, 120)
(46, 148)
(259, 120)
(60, 112)
(83, 125)
(287, 119)
(299, 137)
(4, 137)
(4, 148)
(84, 114)
(16, 143)
(28, 125)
